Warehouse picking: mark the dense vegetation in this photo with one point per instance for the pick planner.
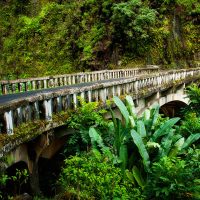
(46, 37)
(127, 157)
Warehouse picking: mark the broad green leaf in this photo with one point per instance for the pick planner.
(146, 114)
(176, 137)
(138, 177)
(114, 119)
(177, 147)
(96, 138)
(191, 139)
(131, 106)
(151, 145)
(141, 129)
(132, 121)
(123, 156)
(155, 114)
(130, 176)
(166, 144)
(163, 130)
(137, 139)
(122, 109)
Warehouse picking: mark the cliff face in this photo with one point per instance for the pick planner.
(41, 37)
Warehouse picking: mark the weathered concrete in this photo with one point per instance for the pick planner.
(19, 108)
(21, 85)
(41, 105)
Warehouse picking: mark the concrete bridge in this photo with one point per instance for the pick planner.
(41, 106)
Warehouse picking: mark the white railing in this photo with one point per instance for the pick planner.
(22, 85)
(44, 105)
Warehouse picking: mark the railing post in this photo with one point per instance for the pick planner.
(59, 103)
(9, 122)
(48, 109)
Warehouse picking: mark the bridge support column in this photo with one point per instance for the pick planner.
(35, 150)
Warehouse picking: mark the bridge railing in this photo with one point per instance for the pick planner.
(22, 85)
(44, 105)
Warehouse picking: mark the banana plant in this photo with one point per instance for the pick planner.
(152, 139)
(139, 141)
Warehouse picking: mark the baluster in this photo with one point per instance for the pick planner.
(20, 87)
(135, 86)
(45, 83)
(65, 80)
(36, 111)
(59, 103)
(27, 113)
(19, 116)
(89, 96)
(48, 109)
(13, 86)
(75, 102)
(73, 79)
(83, 95)
(9, 122)
(33, 85)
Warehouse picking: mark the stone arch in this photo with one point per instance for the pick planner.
(173, 108)
(18, 186)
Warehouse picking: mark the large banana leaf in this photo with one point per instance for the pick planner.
(131, 106)
(191, 139)
(138, 177)
(123, 156)
(122, 109)
(130, 176)
(141, 128)
(166, 144)
(177, 147)
(137, 139)
(163, 130)
(147, 114)
(132, 121)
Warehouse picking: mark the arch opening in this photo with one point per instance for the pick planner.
(18, 182)
(173, 109)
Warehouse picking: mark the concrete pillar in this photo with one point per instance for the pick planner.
(36, 110)
(135, 86)
(9, 122)
(27, 113)
(118, 90)
(75, 100)
(89, 96)
(48, 109)
(65, 80)
(59, 103)
(33, 85)
(45, 83)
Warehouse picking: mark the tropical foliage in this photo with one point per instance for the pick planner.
(51, 37)
(129, 156)
(93, 176)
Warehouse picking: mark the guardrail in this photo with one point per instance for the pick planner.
(22, 85)
(44, 105)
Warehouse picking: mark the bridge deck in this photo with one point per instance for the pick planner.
(9, 98)
(18, 108)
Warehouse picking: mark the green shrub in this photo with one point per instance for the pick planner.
(175, 178)
(190, 124)
(92, 176)
(86, 115)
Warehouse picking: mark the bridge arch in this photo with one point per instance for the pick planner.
(173, 108)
